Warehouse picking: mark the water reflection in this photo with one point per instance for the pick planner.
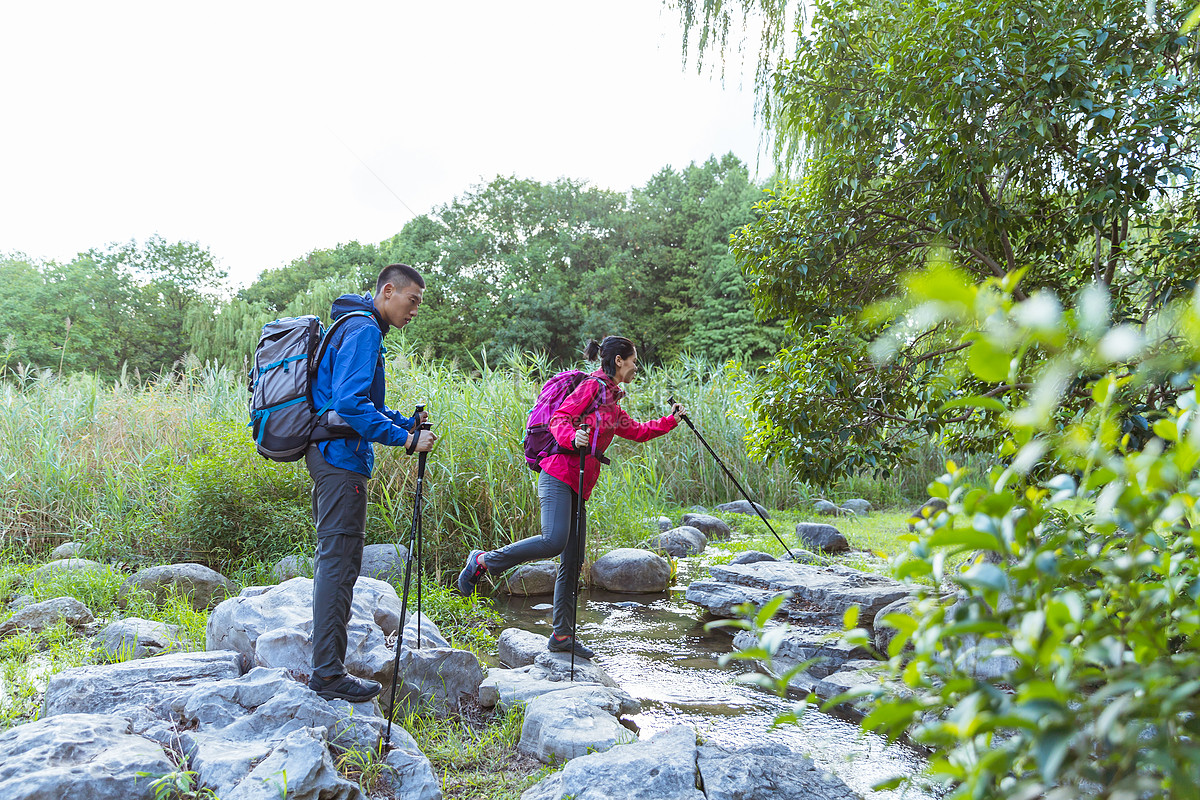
(656, 648)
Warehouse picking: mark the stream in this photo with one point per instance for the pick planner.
(656, 648)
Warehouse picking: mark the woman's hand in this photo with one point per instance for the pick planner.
(678, 411)
(581, 438)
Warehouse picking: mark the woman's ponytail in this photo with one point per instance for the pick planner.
(607, 351)
(591, 351)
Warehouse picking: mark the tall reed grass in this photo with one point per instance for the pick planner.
(165, 470)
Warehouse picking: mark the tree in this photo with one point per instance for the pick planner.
(1057, 139)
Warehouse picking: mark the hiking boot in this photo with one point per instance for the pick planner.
(471, 573)
(347, 687)
(568, 644)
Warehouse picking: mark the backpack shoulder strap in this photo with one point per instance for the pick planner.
(328, 335)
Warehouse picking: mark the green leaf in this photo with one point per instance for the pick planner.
(988, 362)
(977, 401)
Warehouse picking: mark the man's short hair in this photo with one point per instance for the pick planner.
(398, 275)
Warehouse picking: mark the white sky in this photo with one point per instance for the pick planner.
(219, 122)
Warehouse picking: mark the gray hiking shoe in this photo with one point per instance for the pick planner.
(471, 573)
(347, 687)
(568, 644)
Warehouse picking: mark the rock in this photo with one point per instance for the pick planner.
(743, 507)
(658, 524)
(293, 566)
(52, 569)
(21, 601)
(662, 767)
(931, 508)
(531, 579)
(520, 648)
(66, 550)
(820, 594)
(563, 725)
(384, 562)
(822, 646)
(203, 587)
(679, 542)
(409, 775)
(858, 507)
(805, 557)
(136, 690)
(137, 638)
(821, 537)
(826, 508)
(631, 571)
(765, 772)
(550, 673)
(885, 633)
(751, 556)
(698, 510)
(712, 527)
(274, 629)
(85, 756)
(37, 617)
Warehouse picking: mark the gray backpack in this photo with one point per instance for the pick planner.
(282, 416)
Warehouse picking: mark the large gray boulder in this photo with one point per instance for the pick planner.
(81, 756)
(203, 587)
(531, 579)
(273, 628)
(679, 542)
(820, 594)
(660, 768)
(858, 507)
(710, 526)
(824, 538)
(632, 571)
(885, 633)
(293, 566)
(765, 772)
(384, 562)
(137, 638)
(37, 617)
(743, 507)
(566, 724)
(520, 648)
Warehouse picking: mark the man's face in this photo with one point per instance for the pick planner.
(399, 306)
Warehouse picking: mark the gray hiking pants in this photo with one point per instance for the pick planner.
(339, 499)
(558, 501)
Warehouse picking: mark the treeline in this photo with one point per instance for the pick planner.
(511, 265)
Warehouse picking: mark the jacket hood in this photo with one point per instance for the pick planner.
(358, 302)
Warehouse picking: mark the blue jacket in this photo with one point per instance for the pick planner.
(352, 373)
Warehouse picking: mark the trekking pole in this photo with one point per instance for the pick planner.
(413, 543)
(579, 559)
(684, 417)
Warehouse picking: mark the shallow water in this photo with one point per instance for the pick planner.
(659, 652)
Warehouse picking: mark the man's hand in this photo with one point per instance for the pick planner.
(581, 438)
(678, 411)
(422, 417)
(425, 441)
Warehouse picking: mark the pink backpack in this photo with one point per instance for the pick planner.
(538, 441)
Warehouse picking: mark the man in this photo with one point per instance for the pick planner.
(350, 383)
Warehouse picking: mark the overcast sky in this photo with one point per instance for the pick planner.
(241, 125)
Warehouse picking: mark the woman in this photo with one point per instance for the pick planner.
(574, 427)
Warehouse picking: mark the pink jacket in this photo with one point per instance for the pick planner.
(607, 420)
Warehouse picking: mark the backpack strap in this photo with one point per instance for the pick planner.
(324, 345)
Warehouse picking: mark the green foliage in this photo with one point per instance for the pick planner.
(1055, 137)
(180, 785)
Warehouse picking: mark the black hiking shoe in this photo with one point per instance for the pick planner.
(471, 574)
(347, 687)
(568, 644)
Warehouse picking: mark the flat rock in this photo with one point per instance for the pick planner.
(534, 578)
(825, 538)
(765, 772)
(743, 507)
(632, 571)
(137, 638)
(710, 526)
(662, 767)
(37, 617)
(566, 724)
(203, 587)
(83, 756)
(822, 646)
(820, 594)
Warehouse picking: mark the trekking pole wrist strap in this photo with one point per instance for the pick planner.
(412, 442)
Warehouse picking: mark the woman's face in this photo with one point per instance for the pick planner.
(626, 368)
